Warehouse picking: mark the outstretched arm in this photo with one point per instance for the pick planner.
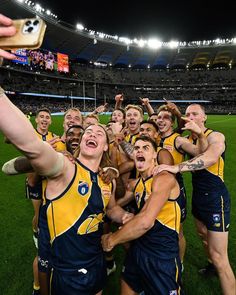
(216, 146)
(17, 128)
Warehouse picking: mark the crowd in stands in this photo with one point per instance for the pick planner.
(216, 86)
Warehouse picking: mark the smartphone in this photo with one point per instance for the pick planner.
(29, 34)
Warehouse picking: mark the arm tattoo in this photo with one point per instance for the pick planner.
(127, 148)
(193, 164)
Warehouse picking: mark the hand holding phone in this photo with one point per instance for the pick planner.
(29, 34)
(6, 29)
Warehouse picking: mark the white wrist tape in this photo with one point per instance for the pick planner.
(9, 167)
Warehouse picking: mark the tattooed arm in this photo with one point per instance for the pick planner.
(215, 148)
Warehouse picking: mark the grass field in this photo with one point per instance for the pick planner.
(16, 246)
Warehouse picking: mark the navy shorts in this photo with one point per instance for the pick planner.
(151, 274)
(212, 208)
(83, 281)
(34, 192)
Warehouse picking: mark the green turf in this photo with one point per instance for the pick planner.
(16, 245)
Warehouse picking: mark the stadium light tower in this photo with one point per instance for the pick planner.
(79, 27)
(154, 43)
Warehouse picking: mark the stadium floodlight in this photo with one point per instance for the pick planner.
(48, 12)
(234, 40)
(154, 43)
(79, 27)
(101, 35)
(125, 40)
(140, 42)
(21, 1)
(38, 7)
(173, 44)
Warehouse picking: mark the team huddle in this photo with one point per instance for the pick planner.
(127, 173)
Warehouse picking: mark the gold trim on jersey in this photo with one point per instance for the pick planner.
(168, 143)
(170, 213)
(131, 138)
(65, 210)
(216, 169)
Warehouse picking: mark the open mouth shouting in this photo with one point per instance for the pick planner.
(140, 161)
(91, 143)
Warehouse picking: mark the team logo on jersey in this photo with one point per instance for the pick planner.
(216, 218)
(90, 224)
(173, 292)
(83, 188)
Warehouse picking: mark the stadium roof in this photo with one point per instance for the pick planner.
(80, 45)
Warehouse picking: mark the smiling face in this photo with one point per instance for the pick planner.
(72, 117)
(144, 155)
(165, 123)
(93, 142)
(73, 135)
(43, 121)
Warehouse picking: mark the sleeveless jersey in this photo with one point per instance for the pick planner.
(168, 143)
(162, 239)
(60, 146)
(211, 177)
(131, 138)
(74, 221)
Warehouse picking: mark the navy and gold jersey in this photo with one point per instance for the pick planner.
(74, 221)
(45, 137)
(60, 146)
(211, 177)
(131, 138)
(168, 143)
(162, 239)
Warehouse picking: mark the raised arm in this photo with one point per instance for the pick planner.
(216, 146)
(145, 102)
(119, 99)
(182, 143)
(17, 128)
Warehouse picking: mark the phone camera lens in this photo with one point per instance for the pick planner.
(28, 23)
(30, 29)
(35, 23)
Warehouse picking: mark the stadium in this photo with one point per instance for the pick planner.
(78, 67)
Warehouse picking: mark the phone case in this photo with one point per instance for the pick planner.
(29, 35)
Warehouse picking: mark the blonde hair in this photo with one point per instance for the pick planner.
(105, 161)
(92, 116)
(133, 106)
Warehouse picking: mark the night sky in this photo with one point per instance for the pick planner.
(166, 20)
